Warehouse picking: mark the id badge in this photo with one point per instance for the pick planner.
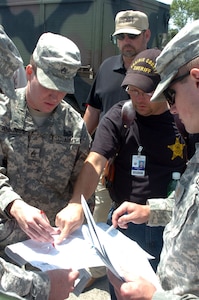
(138, 165)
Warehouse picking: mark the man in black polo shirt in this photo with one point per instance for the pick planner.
(151, 140)
(131, 34)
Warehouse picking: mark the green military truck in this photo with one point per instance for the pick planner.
(89, 23)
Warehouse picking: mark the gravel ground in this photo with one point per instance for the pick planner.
(98, 291)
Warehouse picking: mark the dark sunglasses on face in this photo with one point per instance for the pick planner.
(170, 93)
(121, 36)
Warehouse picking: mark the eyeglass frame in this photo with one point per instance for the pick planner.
(131, 36)
(170, 93)
(143, 94)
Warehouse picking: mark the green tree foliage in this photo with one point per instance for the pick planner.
(183, 11)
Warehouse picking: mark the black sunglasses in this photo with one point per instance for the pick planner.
(121, 36)
(170, 93)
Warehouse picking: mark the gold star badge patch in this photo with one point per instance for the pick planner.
(177, 149)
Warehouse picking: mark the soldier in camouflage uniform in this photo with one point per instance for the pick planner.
(178, 270)
(43, 144)
(15, 282)
(19, 76)
(20, 284)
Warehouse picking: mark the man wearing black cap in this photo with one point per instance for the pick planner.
(131, 35)
(151, 140)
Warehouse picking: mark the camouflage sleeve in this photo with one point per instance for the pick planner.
(160, 211)
(166, 295)
(7, 194)
(82, 154)
(27, 284)
(19, 77)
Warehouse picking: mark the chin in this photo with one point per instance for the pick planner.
(143, 112)
(191, 130)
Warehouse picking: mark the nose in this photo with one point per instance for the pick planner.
(126, 38)
(54, 96)
(141, 97)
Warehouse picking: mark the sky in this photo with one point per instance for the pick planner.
(165, 1)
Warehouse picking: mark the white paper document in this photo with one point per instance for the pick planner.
(119, 253)
(89, 246)
(74, 252)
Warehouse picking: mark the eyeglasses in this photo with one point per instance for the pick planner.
(121, 36)
(170, 96)
(170, 93)
(135, 93)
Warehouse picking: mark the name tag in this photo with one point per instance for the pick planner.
(138, 165)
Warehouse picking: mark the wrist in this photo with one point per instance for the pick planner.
(7, 210)
(11, 207)
(75, 200)
(147, 212)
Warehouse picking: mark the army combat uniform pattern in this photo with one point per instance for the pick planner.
(38, 164)
(29, 285)
(179, 264)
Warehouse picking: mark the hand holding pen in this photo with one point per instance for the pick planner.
(33, 221)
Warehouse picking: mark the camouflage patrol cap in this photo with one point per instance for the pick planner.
(57, 59)
(10, 60)
(183, 48)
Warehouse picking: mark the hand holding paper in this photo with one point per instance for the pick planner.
(120, 254)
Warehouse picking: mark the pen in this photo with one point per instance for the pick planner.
(45, 218)
(110, 228)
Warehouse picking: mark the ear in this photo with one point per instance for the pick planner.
(148, 34)
(29, 71)
(194, 73)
